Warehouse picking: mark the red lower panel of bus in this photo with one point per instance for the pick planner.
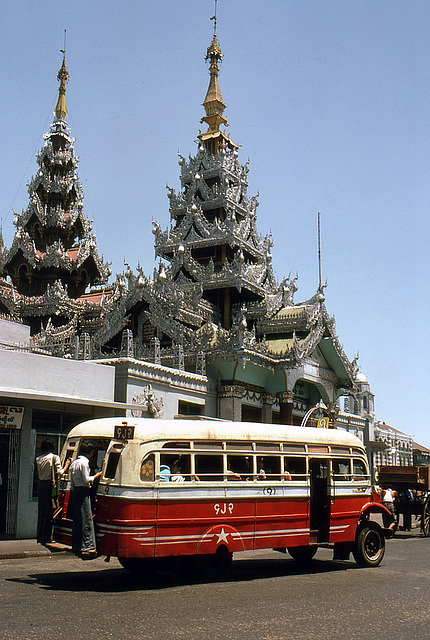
(148, 528)
(128, 528)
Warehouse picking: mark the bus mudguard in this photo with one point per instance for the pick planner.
(220, 534)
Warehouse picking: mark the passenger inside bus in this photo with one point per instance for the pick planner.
(239, 467)
(269, 468)
(232, 475)
(176, 472)
(179, 468)
(164, 473)
(287, 475)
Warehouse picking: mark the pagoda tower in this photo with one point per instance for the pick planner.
(213, 242)
(53, 245)
(257, 341)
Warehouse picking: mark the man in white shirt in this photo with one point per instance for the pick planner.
(83, 535)
(388, 501)
(48, 471)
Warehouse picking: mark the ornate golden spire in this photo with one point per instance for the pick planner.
(214, 139)
(213, 103)
(63, 77)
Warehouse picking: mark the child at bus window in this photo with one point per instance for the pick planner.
(287, 474)
(164, 473)
(176, 472)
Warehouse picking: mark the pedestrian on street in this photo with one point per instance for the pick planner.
(388, 502)
(83, 535)
(48, 471)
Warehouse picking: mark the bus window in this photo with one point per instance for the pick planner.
(176, 445)
(100, 445)
(359, 469)
(344, 450)
(294, 448)
(239, 467)
(209, 467)
(267, 446)
(239, 446)
(268, 467)
(147, 473)
(295, 468)
(341, 469)
(208, 444)
(112, 464)
(179, 465)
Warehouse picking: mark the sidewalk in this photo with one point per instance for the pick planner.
(10, 549)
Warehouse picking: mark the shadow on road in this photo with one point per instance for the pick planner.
(174, 575)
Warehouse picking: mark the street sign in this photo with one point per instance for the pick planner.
(11, 417)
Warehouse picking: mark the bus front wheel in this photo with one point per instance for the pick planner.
(303, 555)
(138, 566)
(369, 547)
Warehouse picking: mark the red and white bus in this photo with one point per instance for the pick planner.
(212, 488)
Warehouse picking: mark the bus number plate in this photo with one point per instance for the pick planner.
(123, 432)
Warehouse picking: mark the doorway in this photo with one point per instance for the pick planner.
(4, 478)
(319, 515)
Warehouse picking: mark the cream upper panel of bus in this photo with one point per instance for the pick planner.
(151, 429)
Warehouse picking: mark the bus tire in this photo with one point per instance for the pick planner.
(218, 564)
(369, 547)
(302, 555)
(137, 566)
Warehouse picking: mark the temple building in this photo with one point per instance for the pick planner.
(213, 307)
(212, 333)
(53, 258)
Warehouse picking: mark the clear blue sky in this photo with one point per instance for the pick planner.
(330, 102)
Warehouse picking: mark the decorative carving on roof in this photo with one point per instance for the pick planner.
(148, 404)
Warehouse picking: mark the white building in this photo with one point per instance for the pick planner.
(44, 397)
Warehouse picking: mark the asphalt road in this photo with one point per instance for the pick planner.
(265, 596)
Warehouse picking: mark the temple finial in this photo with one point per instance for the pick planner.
(213, 103)
(214, 139)
(63, 77)
(214, 17)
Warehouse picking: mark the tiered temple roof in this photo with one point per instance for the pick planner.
(213, 297)
(54, 254)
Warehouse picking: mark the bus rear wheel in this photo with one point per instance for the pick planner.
(369, 547)
(303, 555)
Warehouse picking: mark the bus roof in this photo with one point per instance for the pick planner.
(148, 429)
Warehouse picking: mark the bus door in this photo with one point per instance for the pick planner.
(319, 509)
(4, 475)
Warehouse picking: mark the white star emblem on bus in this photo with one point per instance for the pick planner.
(222, 536)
